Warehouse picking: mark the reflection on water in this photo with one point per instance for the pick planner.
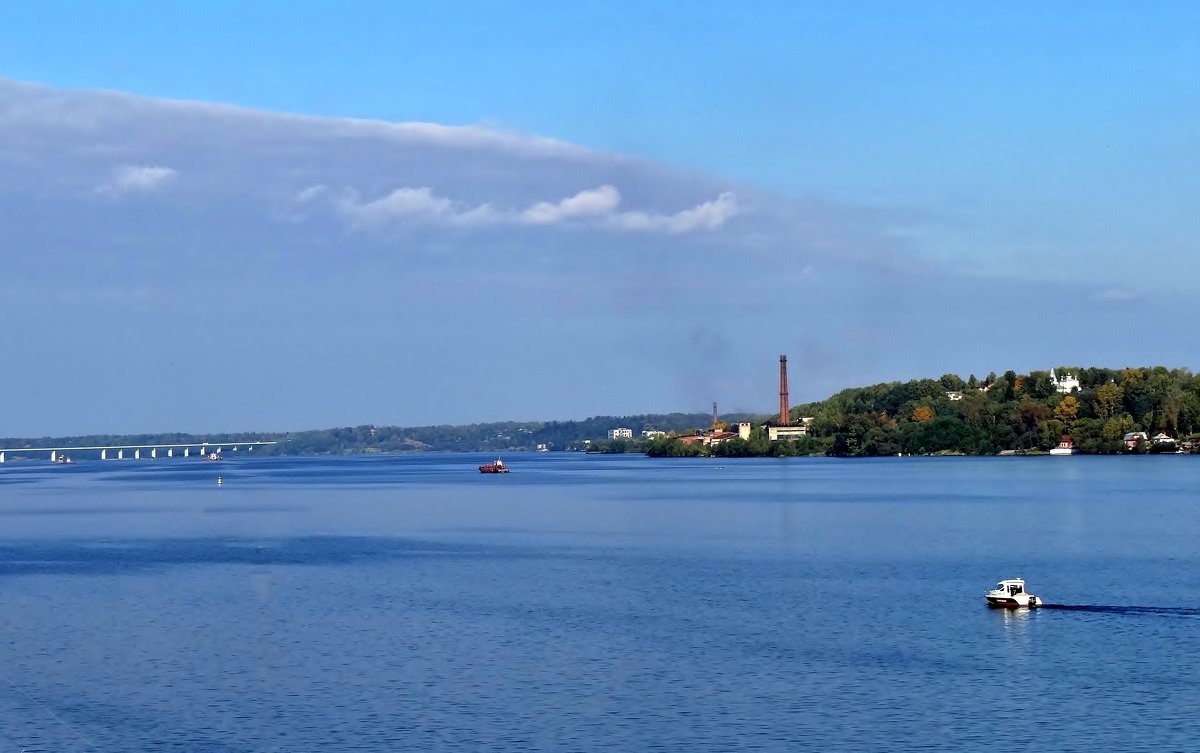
(1013, 617)
(1017, 634)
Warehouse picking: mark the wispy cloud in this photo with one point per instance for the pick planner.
(132, 179)
(596, 207)
(91, 112)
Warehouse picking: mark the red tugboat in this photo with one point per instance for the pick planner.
(496, 467)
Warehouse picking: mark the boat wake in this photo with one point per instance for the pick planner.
(1113, 609)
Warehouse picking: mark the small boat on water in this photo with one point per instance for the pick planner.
(213, 456)
(1011, 594)
(496, 467)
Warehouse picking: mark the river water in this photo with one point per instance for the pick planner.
(598, 603)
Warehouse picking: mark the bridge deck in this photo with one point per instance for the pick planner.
(229, 443)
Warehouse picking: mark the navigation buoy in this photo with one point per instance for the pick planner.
(218, 480)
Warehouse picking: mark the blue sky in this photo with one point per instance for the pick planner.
(992, 166)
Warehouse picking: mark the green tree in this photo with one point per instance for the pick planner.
(1050, 432)
(1000, 391)
(1038, 385)
(1139, 403)
(1117, 427)
(1010, 386)
(952, 382)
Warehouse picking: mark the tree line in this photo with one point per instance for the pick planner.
(1024, 413)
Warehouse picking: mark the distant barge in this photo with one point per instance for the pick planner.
(496, 467)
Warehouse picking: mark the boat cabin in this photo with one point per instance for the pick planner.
(1012, 586)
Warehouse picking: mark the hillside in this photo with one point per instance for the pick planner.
(1096, 407)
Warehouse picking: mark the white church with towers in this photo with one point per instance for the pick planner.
(1066, 384)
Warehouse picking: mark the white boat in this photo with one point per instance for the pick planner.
(1011, 594)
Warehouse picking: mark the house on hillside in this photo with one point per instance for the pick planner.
(1131, 438)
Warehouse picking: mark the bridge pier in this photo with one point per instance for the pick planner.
(106, 452)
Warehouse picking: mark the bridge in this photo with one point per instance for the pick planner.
(203, 449)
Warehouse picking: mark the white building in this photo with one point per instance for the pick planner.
(653, 433)
(777, 433)
(1067, 384)
(620, 433)
(954, 395)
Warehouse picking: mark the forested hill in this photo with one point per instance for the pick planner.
(489, 437)
(1009, 412)
(486, 437)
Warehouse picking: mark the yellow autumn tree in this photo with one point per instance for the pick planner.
(922, 413)
(1108, 400)
(1067, 410)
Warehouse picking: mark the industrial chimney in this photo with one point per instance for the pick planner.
(783, 393)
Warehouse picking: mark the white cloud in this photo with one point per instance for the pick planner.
(594, 206)
(589, 203)
(407, 204)
(707, 216)
(131, 179)
(402, 203)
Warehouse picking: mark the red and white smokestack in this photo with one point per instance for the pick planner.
(783, 393)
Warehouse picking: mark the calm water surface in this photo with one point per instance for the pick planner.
(587, 603)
